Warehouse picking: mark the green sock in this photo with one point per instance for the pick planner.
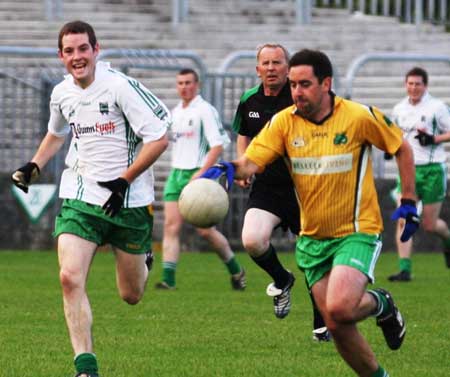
(86, 363)
(168, 275)
(447, 243)
(233, 266)
(380, 372)
(383, 305)
(405, 264)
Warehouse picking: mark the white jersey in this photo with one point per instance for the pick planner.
(109, 121)
(195, 129)
(431, 115)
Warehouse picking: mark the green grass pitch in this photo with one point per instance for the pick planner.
(203, 329)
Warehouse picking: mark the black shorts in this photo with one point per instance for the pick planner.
(278, 200)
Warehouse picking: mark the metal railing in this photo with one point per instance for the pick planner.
(410, 11)
(24, 92)
(357, 64)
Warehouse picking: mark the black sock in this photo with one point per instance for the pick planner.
(270, 263)
(318, 320)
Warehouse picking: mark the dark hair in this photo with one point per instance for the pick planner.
(187, 71)
(77, 27)
(320, 62)
(417, 71)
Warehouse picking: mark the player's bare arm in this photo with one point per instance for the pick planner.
(405, 162)
(245, 168)
(146, 158)
(442, 138)
(210, 159)
(49, 146)
(242, 143)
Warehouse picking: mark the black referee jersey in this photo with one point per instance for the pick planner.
(254, 111)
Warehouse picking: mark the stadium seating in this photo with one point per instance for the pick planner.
(216, 28)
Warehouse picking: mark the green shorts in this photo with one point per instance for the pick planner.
(431, 183)
(178, 178)
(316, 257)
(130, 230)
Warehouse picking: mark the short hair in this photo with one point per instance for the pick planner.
(272, 45)
(77, 27)
(319, 61)
(417, 71)
(187, 71)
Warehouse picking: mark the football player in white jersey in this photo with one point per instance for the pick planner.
(198, 140)
(425, 122)
(119, 129)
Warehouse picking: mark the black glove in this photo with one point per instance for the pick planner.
(26, 175)
(388, 156)
(424, 138)
(118, 187)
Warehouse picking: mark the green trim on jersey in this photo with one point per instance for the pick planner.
(434, 132)
(237, 121)
(361, 169)
(204, 146)
(250, 92)
(151, 101)
(132, 142)
(80, 185)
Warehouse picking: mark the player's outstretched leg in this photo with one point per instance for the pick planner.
(239, 281)
(281, 297)
(389, 318)
(280, 289)
(86, 365)
(446, 252)
(149, 259)
(320, 331)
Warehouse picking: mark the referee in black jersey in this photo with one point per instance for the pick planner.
(272, 201)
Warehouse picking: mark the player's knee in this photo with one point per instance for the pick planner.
(132, 297)
(255, 245)
(70, 280)
(428, 226)
(205, 233)
(171, 228)
(340, 313)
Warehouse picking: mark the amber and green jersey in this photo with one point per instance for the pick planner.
(331, 165)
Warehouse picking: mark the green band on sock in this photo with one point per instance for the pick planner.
(380, 372)
(86, 363)
(233, 266)
(405, 264)
(447, 243)
(168, 274)
(383, 307)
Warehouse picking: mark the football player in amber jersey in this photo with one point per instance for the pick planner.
(328, 140)
(272, 201)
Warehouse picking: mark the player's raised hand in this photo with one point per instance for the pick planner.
(407, 211)
(218, 170)
(26, 175)
(118, 187)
